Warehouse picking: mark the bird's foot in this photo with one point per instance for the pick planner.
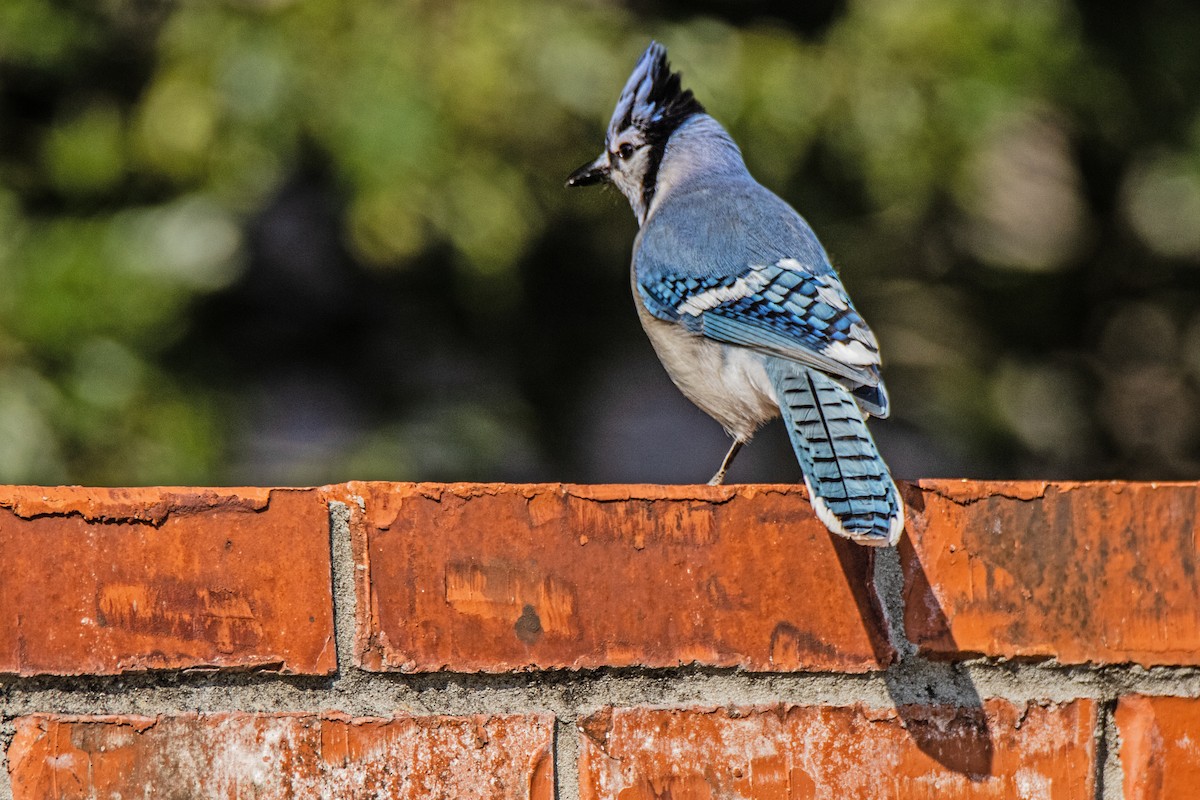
(719, 478)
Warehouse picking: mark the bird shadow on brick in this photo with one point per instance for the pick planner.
(937, 701)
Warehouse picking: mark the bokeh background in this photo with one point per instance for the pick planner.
(303, 242)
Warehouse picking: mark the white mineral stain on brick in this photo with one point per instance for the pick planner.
(1032, 785)
(868, 752)
(119, 736)
(938, 781)
(242, 753)
(66, 761)
(297, 756)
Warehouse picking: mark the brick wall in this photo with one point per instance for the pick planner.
(1026, 640)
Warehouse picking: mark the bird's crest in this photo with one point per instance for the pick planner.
(653, 99)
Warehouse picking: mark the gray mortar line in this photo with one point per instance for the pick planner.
(343, 586)
(1111, 779)
(567, 695)
(889, 586)
(6, 733)
(566, 758)
(572, 694)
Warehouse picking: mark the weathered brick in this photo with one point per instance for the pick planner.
(1079, 572)
(277, 756)
(1160, 746)
(104, 581)
(482, 577)
(998, 752)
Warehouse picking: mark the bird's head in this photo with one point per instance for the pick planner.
(652, 106)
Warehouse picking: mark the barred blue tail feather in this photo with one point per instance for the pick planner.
(851, 489)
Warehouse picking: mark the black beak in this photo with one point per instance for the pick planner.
(590, 173)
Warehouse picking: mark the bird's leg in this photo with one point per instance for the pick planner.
(733, 451)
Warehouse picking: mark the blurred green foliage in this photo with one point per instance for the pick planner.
(309, 241)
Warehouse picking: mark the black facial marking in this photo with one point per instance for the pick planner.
(650, 179)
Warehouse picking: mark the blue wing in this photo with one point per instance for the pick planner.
(743, 268)
(779, 308)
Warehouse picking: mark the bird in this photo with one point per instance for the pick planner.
(741, 302)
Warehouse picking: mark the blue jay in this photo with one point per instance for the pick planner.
(741, 303)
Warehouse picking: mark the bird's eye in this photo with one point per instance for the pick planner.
(625, 151)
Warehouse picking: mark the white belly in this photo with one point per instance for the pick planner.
(727, 382)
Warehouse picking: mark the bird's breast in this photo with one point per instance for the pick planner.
(727, 382)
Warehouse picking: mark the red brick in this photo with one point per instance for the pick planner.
(105, 581)
(282, 756)
(490, 578)
(1079, 572)
(997, 752)
(1160, 746)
